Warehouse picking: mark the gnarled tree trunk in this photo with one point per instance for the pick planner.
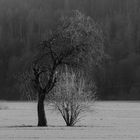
(41, 111)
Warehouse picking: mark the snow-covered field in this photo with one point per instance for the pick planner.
(105, 121)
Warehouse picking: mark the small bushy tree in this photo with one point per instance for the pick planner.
(72, 96)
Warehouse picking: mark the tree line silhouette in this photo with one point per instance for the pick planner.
(23, 24)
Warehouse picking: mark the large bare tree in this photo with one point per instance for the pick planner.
(76, 40)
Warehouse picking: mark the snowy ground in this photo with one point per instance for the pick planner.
(105, 121)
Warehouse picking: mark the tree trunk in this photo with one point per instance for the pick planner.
(41, 112)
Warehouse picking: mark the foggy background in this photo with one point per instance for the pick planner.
(24, 23)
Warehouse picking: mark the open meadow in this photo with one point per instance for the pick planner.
(105, 121)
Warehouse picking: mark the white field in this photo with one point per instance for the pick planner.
(105, 121)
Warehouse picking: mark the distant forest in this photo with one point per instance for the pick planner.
(24, 23)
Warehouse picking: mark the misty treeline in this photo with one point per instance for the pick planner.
(24, 23)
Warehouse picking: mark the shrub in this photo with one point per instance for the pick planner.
(72, 95)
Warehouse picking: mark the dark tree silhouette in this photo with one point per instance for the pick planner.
(76, 39)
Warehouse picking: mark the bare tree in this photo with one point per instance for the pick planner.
(76, 39)
(72, 96)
